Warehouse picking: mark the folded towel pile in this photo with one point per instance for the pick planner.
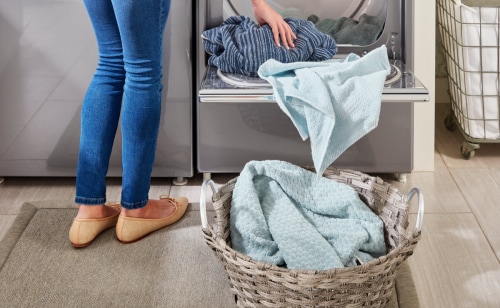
(240, 45)
(284, 215)
(334, 103)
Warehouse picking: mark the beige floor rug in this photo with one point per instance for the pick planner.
(170, 268)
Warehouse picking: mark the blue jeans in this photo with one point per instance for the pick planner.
(127, 82)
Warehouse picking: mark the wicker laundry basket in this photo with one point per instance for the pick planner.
(258, 284)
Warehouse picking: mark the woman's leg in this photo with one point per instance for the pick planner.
(100, 110)
(130, 40)
(141, 24)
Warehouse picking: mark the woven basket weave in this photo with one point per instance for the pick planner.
(258, 284)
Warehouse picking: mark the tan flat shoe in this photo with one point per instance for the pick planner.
(131, 229)
(84, 231)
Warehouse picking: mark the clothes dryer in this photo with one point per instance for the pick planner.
(238, 119)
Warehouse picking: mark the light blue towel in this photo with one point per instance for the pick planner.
(334, 103)
(285, 215)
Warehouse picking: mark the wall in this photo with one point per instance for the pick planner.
(424, 66)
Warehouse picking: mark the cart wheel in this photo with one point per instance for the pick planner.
(468, 149)
(449, 123)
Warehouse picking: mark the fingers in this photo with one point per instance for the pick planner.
(288, 37)
(276, 34)
(282, 32)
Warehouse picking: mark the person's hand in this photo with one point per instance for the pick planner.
(265, 14)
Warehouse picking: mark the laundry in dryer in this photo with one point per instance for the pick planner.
(344, 30)
(240, 45)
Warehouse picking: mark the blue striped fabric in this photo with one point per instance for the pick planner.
(240, 45)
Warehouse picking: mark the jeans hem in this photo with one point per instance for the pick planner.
(90, 201)
(134, 205)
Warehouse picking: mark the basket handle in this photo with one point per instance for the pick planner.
(420, 216)
(203, 202)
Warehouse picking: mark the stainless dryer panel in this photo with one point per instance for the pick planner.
(48, 55)
(230, 135)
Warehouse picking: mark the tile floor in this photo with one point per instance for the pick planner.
(456, 263)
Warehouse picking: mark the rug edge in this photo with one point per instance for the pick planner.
(406, 289)
(28, 210)
(10, 239)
